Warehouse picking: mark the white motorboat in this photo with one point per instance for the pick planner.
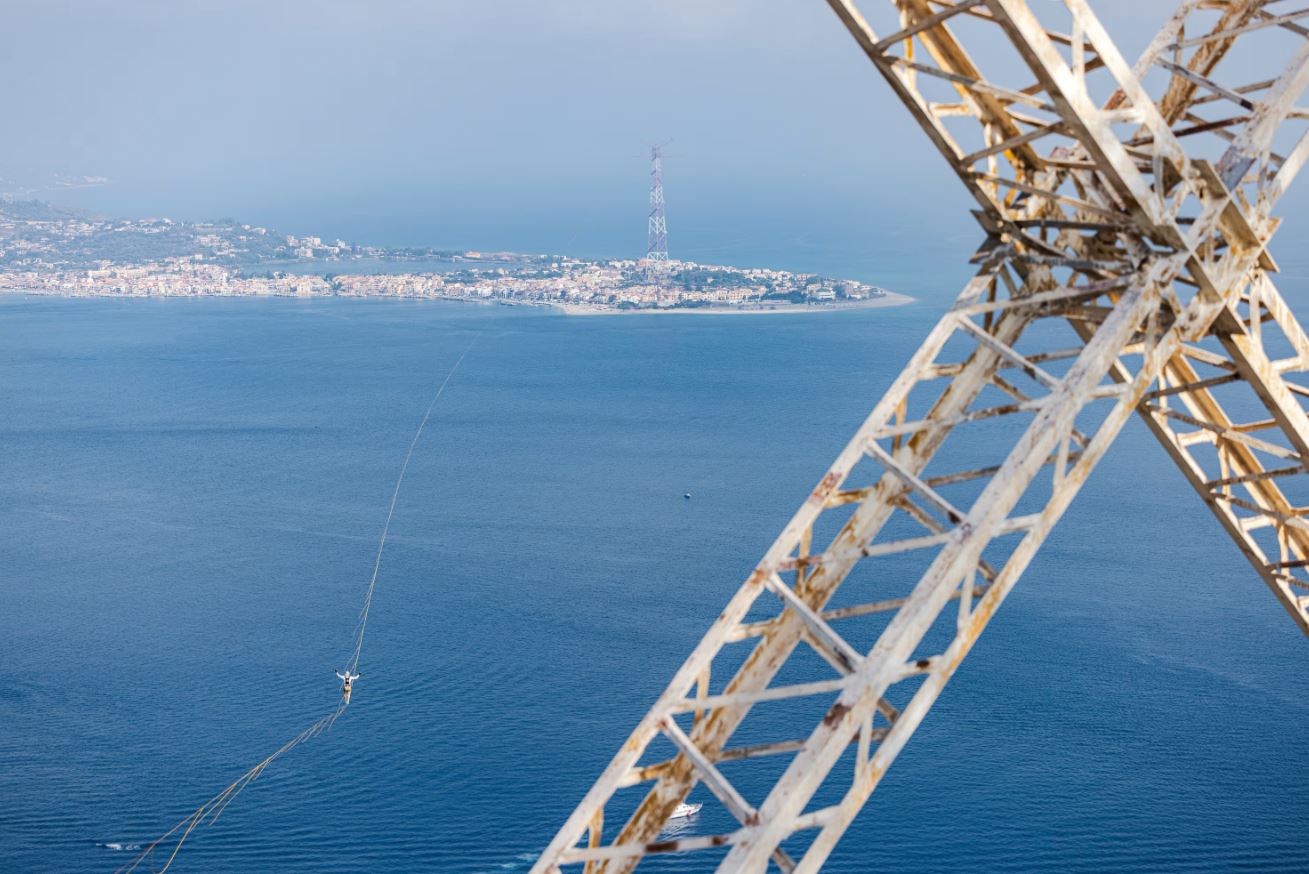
(684, 810)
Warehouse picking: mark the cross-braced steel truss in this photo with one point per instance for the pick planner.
(1127, 211)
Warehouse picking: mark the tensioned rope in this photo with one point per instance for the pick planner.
(353, 663)
(208, 813)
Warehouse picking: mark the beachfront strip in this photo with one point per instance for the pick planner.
(600, 284)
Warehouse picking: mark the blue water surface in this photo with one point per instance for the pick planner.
(191, 493)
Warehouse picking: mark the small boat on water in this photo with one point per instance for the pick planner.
(684, 810)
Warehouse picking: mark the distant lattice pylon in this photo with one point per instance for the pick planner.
(656, 254)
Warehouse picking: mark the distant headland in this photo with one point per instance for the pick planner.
(46, 249)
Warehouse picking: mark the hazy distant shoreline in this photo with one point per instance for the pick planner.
(888, 299)
(50, 250)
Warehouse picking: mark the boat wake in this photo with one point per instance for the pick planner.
(522, 860)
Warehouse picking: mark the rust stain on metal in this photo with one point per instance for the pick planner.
(825, 487)
(836, 713)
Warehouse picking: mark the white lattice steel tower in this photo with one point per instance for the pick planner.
(656, 249)
(1126, 212)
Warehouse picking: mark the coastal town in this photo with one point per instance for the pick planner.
(46, 250)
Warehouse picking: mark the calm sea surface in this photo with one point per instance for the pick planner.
(191, 492)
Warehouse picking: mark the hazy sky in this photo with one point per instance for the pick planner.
(489, 123)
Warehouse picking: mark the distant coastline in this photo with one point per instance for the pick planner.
(48, 250)
(889, 299)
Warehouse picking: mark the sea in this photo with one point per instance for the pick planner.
(191, 495)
